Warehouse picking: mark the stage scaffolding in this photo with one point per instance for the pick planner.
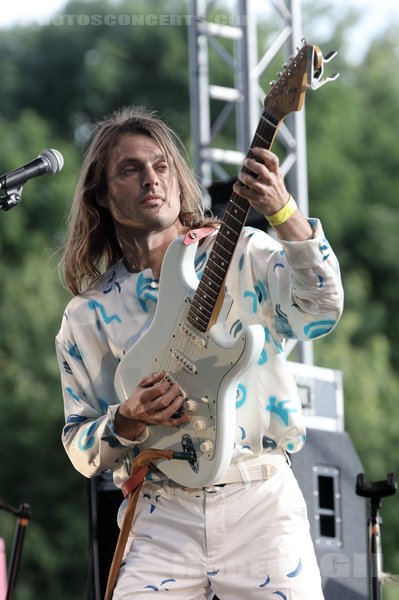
(230, 31)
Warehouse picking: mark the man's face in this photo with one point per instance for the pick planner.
(142, 192)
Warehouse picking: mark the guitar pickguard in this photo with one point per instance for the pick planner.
(207, 366)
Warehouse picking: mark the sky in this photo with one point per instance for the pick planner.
(20, 12)
(376, 15)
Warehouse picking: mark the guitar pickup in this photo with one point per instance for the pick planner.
(183, 362)
(193, 336)
(179, 413)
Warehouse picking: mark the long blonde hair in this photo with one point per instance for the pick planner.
(92, 245)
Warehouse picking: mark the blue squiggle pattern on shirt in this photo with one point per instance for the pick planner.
(279, 409)
(75, 352)
(236, 328)
(241, 395)
(278, 266)
(87, 438)
(145, 292)
(73, 395)
(282, 323)
(318, 328)
(325, 248)
(263, 357)
(71, 421)
(259, 295)
(111, 283)
(93, 304)
(199, 264)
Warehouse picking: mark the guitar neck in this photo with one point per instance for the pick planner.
(204, 303)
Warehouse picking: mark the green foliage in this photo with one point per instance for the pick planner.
(92, 69)
(58, 79)
(353, 159)
(39, 472)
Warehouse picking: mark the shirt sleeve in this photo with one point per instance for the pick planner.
(304, 283)
(90, 404)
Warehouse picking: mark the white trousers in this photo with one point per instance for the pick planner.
(242, 541)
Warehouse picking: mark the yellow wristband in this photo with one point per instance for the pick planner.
(284, 213)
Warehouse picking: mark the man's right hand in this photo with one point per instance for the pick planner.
(153, 402)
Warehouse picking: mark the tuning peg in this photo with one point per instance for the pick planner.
(316, 83)
(330, 55)
(316, 79)
(272, 83)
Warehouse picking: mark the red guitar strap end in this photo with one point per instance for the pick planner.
(134, 481)
(195, 235)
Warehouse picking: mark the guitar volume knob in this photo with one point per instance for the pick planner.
(200, 425)
(190, 405)
(206, 447)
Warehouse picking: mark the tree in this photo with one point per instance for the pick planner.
(93, 68)
(37, 470)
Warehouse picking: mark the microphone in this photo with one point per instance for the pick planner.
(48, 162)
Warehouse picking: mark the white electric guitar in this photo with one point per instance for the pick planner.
(187, 337)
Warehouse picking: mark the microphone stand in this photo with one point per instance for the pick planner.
(11, 199)
(23, 513)
(374, 491)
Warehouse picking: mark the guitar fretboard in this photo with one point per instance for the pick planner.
(212, 280)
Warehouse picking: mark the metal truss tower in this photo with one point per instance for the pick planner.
(230, 32)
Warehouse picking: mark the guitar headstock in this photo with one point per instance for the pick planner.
(305, 70)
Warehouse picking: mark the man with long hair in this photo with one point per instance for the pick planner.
(245, 535)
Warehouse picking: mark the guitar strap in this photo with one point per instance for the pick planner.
(131, 490)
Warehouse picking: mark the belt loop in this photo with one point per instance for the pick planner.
(246, 478)
(269, 471)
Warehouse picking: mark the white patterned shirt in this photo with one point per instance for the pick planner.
(293, 289)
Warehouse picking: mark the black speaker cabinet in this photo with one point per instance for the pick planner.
(326, 470)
